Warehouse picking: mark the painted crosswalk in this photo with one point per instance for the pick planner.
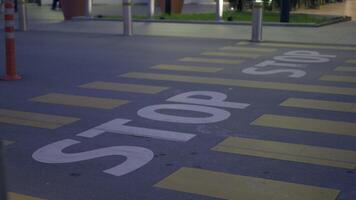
(337, 78)
(288, 151)
(187, 68)
(249, 49)
(7, 142)
(232, 54)
(243, 83)
(236, 187)
(306, 124)
(351, 61)
(320, 104)
(212, 60)
(32, 119)
(82, 101)
(345, 69)
(124, 87)
(16, 196)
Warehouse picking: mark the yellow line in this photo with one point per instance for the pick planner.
(243, 83)
(230, 54)
(34, 119)
(236, 187)
(15, 196)
(123, 87)
(7, 142)
(83, 101)
(243, 43)
(211, 60)
(345, 69)
(287, 151)
(307, 46)
(249, 49)
(188, 68)
(321, 105)
(347, 79)
(351, 61)
(307, 124)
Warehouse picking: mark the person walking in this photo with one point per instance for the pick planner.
(54, 4)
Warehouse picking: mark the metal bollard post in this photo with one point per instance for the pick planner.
(219, 9)
(126, 4)
(257, 15)
(23, 15)
(10, 42)
(3, 192)
(88, 8)
(152, 9)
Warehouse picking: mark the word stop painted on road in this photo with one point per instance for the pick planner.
(284, 64)
(206, 102)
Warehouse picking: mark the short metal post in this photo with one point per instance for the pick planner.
(88, 8)
(23, 15)
(126, 4)
(219, 9)
(152, 9)
(3, 192)
(257, 15)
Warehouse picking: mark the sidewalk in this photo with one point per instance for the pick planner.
(43, 19)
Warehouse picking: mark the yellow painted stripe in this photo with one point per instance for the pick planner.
(243, 83)
(236, 187)
(211, 60)
(243, 43)
(335, 78)
(287, 151)
(7, 142)
(231, 54)
(321, 105)
(345, 69)
(352, 61)
(307, 124)
(307, 46)
(83, 101)
(123, 87)
(15, 196)
(37, 120)
(188, 68)
(249, 49)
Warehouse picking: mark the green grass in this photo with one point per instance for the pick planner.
(236, 16)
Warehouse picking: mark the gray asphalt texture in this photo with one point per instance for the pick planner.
(59, 62)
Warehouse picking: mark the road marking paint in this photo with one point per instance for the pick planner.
(211, 60)
(235, 187)
(188, 68)
(231, 54)
(37, 120)
(288, 151)
(15, 196)
(346, 79)
(7, 142)
(124, 87)
(351, 61)
(249, 49)
(319, 104)
(306, 124)
(243, 83)
(307, 46)
(118, 126)
(243, 43)
(345, 69)
(82, 101)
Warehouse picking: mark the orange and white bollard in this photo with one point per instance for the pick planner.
(10, 42)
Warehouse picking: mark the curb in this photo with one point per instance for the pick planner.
(332, 20)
